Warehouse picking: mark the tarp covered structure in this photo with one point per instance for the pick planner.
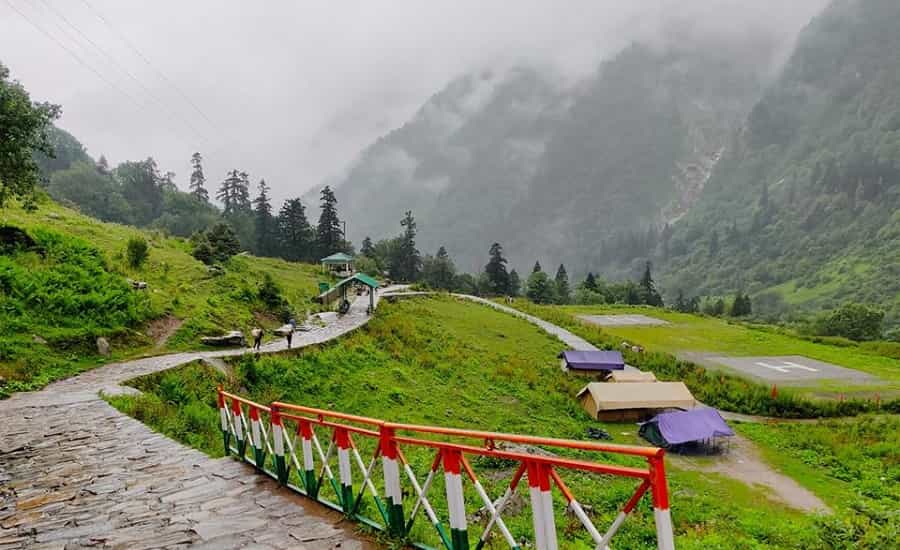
(680, 427)
(635, 400)
(595, 360)
(631, 375)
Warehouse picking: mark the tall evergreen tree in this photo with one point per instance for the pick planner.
(537, 267)
(198, 180)
(408, 261)
(329, 235)
(562, 285)
(515, 283)
(295, 233)
(540, 289)
(648, 293)
(264, 222)
(590, 282)
(235, 193)
(368, 249)
(498, 278)
(438, 270)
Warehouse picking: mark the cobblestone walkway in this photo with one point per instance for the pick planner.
(76, 473)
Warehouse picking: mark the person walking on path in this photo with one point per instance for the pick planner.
(257, 337)
(290, 333)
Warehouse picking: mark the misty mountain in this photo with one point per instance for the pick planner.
(553, 172)
(804, 207)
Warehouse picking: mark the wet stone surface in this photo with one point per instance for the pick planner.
(76, 473)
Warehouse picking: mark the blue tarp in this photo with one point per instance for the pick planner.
(685, 426)
(593, 360)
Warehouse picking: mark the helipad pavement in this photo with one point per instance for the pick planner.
(621, 320)
(790, 368)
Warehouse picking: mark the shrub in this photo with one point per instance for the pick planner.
(217, 244)
(854, 321)
(136, 252)
(270, 294)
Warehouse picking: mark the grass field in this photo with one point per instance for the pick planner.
(686, 333)
(181, 293)
(451, 363)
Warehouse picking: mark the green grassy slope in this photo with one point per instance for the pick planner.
(181, 293)
(452, 363)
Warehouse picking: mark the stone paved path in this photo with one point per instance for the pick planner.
(75, 473)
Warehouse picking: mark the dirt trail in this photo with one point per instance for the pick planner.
(744, 463)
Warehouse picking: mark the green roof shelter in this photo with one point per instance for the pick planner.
(340, 289)
(337, 261)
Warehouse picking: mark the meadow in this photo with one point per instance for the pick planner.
(452, 363)
(71, 287)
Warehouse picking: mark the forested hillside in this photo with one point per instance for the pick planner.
(804, 208)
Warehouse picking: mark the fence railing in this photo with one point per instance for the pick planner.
(282, 441)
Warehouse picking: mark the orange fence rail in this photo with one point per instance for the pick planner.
(285, 445)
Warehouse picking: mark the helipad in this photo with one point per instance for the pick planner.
(621, 320)
(789, 368)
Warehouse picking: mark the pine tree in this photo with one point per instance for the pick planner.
(103, 165)
(235, 193)
(406, 265)
(266, 229)
(562, 285)
(540, 289)
(497, 276)
(295, 233)
(590, 282)
(368, 249)
(649, 294)
(329, 235)
(515, 284)
(438, 271)
(680, 304)
(198, 180)
(537, 267)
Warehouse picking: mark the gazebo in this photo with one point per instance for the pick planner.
(340, 262)
(340, 289)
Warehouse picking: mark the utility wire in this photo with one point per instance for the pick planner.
(75, 56)
(151, 65)
(128, 73)
(78, 58)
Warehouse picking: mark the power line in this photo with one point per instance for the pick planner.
(149, 64)
(128, 73)
(75, 56)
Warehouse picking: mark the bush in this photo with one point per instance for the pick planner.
(216, 245)
(853, 321)
(136, 252)
(270, 294)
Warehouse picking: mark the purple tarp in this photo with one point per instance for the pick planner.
(593, 360)
(693, 425)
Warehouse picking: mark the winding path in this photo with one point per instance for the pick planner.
(75, 472)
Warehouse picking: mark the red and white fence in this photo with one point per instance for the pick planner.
(281, 441)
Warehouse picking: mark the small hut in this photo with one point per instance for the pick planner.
(700, 428)
(339, 263)
(634, 401)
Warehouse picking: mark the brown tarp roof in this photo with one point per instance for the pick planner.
(639, 395)
(631, 376)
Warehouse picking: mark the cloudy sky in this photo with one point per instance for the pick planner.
(292, 90)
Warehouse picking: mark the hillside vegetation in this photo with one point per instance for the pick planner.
(69, 286)
(453, 363)
(804, 207)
